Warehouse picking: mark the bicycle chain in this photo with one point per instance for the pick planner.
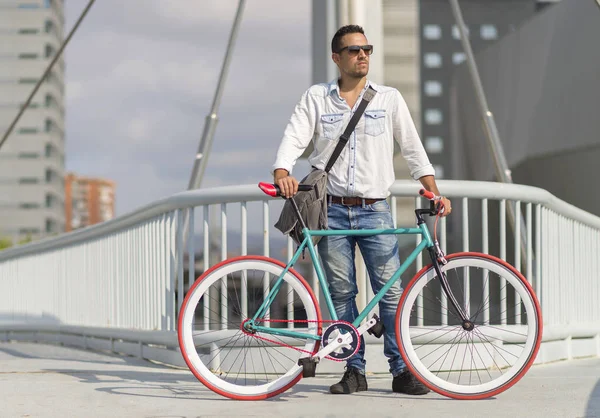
(281, 343)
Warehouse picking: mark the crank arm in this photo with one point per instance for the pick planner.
(365, 327)
(331, 347)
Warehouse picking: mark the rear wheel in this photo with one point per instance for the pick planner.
(227, 358)
(485, 355)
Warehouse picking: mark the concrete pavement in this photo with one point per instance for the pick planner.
(38, 380)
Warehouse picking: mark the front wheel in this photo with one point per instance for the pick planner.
(486, 354)
(222, 353)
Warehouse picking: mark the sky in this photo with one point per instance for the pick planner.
(141, 77)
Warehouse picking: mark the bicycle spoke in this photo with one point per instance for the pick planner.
(503, 288)
(263, 362)
(270, 358)
(463, 362)
(238, 356)
(484, 300)
(447, 309)
(497, 348)
(458, 334)
(439, 329)
(498, 351)
(508, 308)
(483, 362)
(433, 341)
(210, 361)
(503, 330)
(455, 354)
(220, 339)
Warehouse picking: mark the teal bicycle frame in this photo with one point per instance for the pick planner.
(426, 242)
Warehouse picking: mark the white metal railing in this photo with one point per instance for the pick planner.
(125, 279)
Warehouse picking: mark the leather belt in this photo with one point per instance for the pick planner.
(352, 201)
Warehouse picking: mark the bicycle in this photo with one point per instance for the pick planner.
(259, 339)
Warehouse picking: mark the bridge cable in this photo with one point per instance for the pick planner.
(41, 80)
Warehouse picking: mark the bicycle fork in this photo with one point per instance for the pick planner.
(437, 257)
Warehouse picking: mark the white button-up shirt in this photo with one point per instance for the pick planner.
(365, 167)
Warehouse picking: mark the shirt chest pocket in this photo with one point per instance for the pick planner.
(374, 122)
(331, 125)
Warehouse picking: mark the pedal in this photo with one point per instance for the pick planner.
(309, 366)
(378, 329)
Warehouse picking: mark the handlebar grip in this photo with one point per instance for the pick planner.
(427, 194)
(273, 189)
(301, 188)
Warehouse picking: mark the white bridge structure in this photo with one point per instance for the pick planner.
(118, 286)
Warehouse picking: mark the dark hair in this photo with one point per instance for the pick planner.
(336, 42)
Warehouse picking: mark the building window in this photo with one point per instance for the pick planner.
(489, 32)
(29, 155)
(49, 26)
(28, 31)
(53, 78)
(49, 100)
(28, 56)
(28, 180)
(434, 144)
(29, 206)
(49, 51)
(439, 171)
(49, 150)
(49, 226)
(433, 116)
(458, 57)
(432, 32)
(433, 88)
(456, 32)
(432, 60)
(28, 80)
(28, 130)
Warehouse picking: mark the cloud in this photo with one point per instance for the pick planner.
(137, 73)
(138, 129)
(141, 76)
(74, 91)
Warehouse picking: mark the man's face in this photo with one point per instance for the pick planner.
(350, 61)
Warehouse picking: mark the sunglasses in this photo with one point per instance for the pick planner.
(355, 49)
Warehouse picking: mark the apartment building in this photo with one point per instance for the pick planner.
(88, 201)
(32, 159)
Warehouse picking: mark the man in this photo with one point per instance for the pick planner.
(358, 185)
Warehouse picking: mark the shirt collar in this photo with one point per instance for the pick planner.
(334, 87)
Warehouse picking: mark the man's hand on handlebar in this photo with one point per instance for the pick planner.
(287, 184)
(443, 204)
(446, 206)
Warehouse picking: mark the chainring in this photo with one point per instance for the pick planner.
(335, 330)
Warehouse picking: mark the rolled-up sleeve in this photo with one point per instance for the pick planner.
(297, 135)
(405, 133)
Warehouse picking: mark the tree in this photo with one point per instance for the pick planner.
(5, 243)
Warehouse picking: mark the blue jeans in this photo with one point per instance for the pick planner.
(380, 253)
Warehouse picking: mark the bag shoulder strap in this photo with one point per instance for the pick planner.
(367, 97)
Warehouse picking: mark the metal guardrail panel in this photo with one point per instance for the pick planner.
(130, 273)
